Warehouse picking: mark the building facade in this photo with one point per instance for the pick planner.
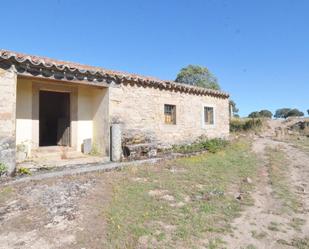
(46, 102)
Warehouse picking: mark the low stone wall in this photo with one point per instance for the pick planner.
(138, 145)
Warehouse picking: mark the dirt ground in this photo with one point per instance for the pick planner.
(68, 212)
(263, 225)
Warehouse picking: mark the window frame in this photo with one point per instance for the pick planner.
(174, 117)
(204, 125)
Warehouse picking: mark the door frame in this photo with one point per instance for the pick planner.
(54, 87)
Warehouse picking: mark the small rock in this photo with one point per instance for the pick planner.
(248, 180)
(239, 196)
(168, 197)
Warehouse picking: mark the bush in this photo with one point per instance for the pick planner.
(239, 125)
(3, 169)
(212, 145)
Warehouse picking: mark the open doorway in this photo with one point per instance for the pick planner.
(54, 118)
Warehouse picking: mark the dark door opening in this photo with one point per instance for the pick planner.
(54, 118)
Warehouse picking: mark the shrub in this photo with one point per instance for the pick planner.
(239, 125)
(3, 169)
(214, 145)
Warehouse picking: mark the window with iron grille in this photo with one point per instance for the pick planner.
(208, 115)
(170, 114)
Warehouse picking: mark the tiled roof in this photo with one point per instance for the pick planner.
(47, 67)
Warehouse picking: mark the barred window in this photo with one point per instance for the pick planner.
(208, 115)
(170, 114)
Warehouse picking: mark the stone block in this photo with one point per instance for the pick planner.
(87, 146)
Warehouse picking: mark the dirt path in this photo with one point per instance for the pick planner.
(264, 225)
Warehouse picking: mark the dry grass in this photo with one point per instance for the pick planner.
(279, 175)
(177, 203)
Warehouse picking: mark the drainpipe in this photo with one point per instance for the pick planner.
(116, 150)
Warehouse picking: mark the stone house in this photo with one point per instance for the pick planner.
(47, 102)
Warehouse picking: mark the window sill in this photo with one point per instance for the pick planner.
(205, 126)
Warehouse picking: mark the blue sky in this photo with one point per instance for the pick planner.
(258, 49)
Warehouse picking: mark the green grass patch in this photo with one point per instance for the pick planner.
(278, 173)
(211, 145)
(23, 171)
(193, 199)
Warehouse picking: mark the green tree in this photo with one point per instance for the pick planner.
(233, 109)
(254, 115)
(282, 113)
(198, 76)
(308, 111)
(294, 113)
(261, 114)
(288, 112)
(265, 114)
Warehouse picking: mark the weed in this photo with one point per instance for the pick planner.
(94, 150)
(273, 226)
(3, 169)
(24, 171)
(257, 235)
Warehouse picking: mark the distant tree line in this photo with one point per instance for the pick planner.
(280, 113)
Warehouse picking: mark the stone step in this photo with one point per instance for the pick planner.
(56, 152)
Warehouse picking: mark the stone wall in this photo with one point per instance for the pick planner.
(8, 80)
(142, 108)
